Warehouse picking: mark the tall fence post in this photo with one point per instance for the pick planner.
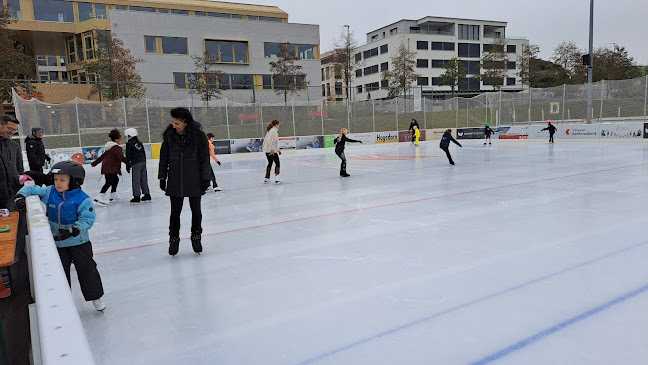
(148, 121)
(396, 99)
(348, 113)
(124, 105)
(499, 109)
(261, 116)
(76, 106)
(373, 114)
(563, 101)
(424, 111)
(602, 94)
(322, 114)
(457, 113)
(645, 100)
(227, 120)
(530, 93)
(293, 118)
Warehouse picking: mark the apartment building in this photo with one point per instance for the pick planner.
(435, 40)
(332, 75)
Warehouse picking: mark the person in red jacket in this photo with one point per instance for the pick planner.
(111, 161)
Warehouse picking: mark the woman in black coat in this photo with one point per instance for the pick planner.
(184, 172)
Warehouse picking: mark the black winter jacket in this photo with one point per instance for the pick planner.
(445, 140)
(488, 131)
(340, 144)
(135, 152)
(11, 160)
(550, 128)
(184, 162)
(412, 124)
(35, 152)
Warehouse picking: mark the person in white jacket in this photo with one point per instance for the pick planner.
(271, 149)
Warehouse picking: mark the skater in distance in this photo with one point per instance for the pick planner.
(550, 127)
(272, 151)
(445, 144)
(212, 154)
(487, 133)
(111, 161)
(340, 142)
(136, 164)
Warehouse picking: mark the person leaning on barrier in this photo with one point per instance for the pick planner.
(36, 155)
(12, 162)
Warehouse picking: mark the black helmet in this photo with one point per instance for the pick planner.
(37, 130)
(71, 168)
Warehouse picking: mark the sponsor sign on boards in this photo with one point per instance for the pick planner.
(436, 133)
(406, 136)
(286, 142)
(364, 137)
(305, 143)
(645, 130)
(386, 137)
(246, 145)
(470, 133)
(222, 147)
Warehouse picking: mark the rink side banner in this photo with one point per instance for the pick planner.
(246, 145)
(645, 130)
(286, 142)
(514, 132)
(435, 134)
(470, 133)
(406, 136)
(222, 147)
(305, 143)
(366, 138)
(386, 137)
(328, 141)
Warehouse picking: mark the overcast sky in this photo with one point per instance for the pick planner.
(545, 23)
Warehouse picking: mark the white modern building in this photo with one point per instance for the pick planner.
(434, 40)
(240, 48)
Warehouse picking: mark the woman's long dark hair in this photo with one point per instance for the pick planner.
(182, 114)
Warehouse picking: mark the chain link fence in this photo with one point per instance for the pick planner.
(82, 122)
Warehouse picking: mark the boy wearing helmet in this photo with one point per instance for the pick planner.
(136, 164)
(551, 129)
(36, 155)
(487, 133)
(71, 214)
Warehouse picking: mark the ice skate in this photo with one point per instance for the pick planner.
(344, 174)
(196, 244)
(217, 189)
(136, 199)
(114, 198)
(174, 245)
(101, 200)
(266, 180)
(146, 198)
(278, 181)
(99, 305)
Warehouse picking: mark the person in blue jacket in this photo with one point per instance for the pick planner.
(445, 144)
(71, 214)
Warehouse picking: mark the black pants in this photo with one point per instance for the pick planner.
(343, 164)
(111, 182)
(413, 136)
(551, 138)
(447, 151)
(86, 267)
(213, 178)
(272, 159)
(36, 167)
(176, 209)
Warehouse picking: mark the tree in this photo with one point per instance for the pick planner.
(343, 48)
(401, 76)
(494, 64)
(204, 80)
(529, 65)
(454, 75)
(568, 56)
(14, 63)
(614, 64)
(114, 67)
(287, 75)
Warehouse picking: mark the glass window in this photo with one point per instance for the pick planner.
(142, 8)
(180, 80)
(240, 52)
(300, 81)
(358, 73)
(237, 16)
(267, 82)
(384, 84)
(271, 50)
(200, 13)
(100, 11)
(175, 11)
(54, 76)
(85, 11)
(42, 60)
(174, 45)
(358, 57)
(422, 63)
(384, 66)
(359, 89)
(448, 46)
(421, 45)
(384, 49)
(224, 82)
(226, 51)
(62, 59)
(52, 61)
(438, 63)
(14, 8)
(43, 76)
(219, 15)
(511, 48)
(150, 44)
(53, 11)
(422, 81)
(64, 77)
(511, 65)
(510, 81)
(338, 88)
(164, 11)
(306, 51)
(437, 46)
(121, 7)
(270, 19)
(486, 48)
(469, 32)
(211, 47)
(79, 46)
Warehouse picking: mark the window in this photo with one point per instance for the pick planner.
(52, 61)
(174, 45)
(242, 81)
(370, 53)
(43, 76)
(370, 70)
(415, 30)
(384, 84)
(384, 66)
(422, 63)
(306, 51)
(62, 59)
(303, 51)
(142, 8)
(422, 81)
(175, 11)
(421, 45)
(85, 11)
(100, 11)
(150, 45)
(358, 73)
(469, 32)
(359, 89)
(486, 48)
(219, 15)
(471, 67)
(511, 49)
(374, 37)
(358, 57)
(42, 60)
(511, 65)
(510, 81)
(438, 63)
(443, 46)
(237, 16)
(121, 7)
(270, 19)
(200, 13)
(180, 80)
(469, 84)
(226, 51)
(271, 50)
(79, 46)
(469, 50)
(267, 82)
(53, 11)
(487, 82)
(372, 86)
(384, 49)
(393, 31)
(437, 46)
(323, 90)
(338, 88)
(164, 11)
(436, 81)
(14, 8)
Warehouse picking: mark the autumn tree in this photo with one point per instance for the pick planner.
(614, 64)
(345, 65)
(454, 75)
(529, 65)
(205, 79)
(401, 76)
(114, 67)
(14, 63)
(286, 74)
(568, 56)
(494, 64)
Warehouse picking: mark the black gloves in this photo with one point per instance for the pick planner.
(19, 202)
(128, 168)
(360, 142)
(48, 158)
(64, 234)
(163, 184)
(204, 185)
(218, 162)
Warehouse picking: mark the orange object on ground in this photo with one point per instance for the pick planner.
(8, 239)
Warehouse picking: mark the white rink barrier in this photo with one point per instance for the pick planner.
(57, 333)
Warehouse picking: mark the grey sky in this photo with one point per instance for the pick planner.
(546, 23)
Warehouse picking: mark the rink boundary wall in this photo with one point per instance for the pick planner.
(625, 130)
(57, 334)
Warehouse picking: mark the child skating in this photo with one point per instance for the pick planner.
(487, 133)
(136, 165)
(413, 124)
(340, 142)
(271, 149)
(551, 129)
(111, 161)
(70, 214)
(417, 135)
(212, 153)
(445, 144)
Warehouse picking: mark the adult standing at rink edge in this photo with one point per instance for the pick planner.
(184, 172)
(36, 155)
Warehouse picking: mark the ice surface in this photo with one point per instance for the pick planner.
(523, 250)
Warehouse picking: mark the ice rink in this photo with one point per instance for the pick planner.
(522, 253)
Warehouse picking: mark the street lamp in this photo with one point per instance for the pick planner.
(590, 65)
(347, 43)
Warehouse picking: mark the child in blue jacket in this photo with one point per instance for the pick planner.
(71, 214)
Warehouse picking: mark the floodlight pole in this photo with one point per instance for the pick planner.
(591, 64)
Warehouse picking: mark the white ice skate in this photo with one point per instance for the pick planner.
(99, 305)
(265, 181)
(278, 181)
(218, 188)
(114, 198)
(101, 200)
